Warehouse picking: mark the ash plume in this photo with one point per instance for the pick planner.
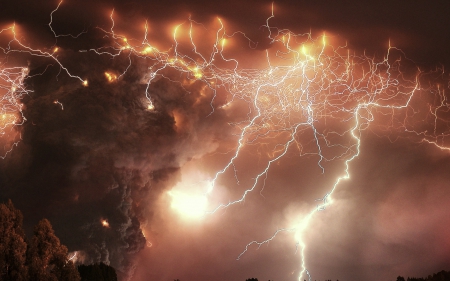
(101, 155)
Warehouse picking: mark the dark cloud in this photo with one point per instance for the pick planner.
(99, 153)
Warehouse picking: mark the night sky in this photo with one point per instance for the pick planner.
(107, 170)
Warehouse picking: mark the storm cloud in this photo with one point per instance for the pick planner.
(99, 164)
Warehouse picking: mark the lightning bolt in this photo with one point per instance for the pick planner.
(312, 99)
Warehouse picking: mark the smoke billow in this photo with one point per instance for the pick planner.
(97, 154)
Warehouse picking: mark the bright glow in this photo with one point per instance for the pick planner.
(187, 204)
(7, 119)
(189, 197)
(304, 50)
(72, 256)
(59, 103)
(197, 73)
(105, 223)
(148, 244)
(110, 76)
(147, 50)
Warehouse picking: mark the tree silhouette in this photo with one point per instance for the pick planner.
(440, 276)
(12, 244)
(97, 272)
(47, 258)
(252, 279)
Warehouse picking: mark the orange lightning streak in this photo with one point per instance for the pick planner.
(12, 84)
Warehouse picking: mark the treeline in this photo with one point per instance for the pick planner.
(440, 276)
(41, 258)
(97, 272)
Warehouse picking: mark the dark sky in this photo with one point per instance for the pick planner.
(97, 154)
